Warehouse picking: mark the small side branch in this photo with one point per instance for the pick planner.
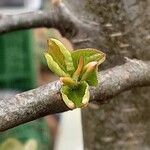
(46, 99)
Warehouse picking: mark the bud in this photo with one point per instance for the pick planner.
(79, 68)
(68, 81)
(90, 67)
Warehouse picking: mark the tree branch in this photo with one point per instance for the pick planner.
(46, 99)
(59, 17)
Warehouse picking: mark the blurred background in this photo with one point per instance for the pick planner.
(23, 67)
(122, 124)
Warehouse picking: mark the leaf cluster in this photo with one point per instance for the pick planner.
(77, 71)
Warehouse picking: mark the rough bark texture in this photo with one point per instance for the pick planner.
(46, 99)
(124, 31)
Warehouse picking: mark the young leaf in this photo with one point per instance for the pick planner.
(68, 81)
(60, 54)
(88, 55)
(90, 73)
(76, 97)
(54, 67)
(79, 69)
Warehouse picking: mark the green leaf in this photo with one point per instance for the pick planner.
(76, 97)
(77, 70)
(92, 78)
(54, 67)
(60, 54)
(88, 55)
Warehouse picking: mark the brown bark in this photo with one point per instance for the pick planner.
(123, 32)
(46, 99)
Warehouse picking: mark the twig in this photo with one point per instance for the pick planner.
(46, 99)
